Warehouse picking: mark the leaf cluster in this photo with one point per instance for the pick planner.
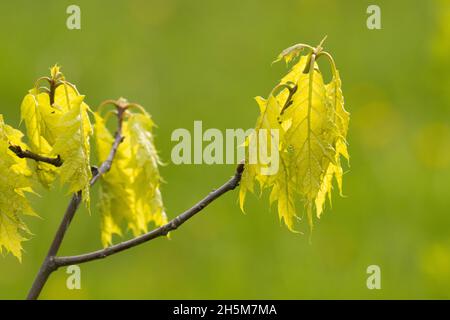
(312, 122)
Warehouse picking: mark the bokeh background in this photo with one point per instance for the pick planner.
(206, 60)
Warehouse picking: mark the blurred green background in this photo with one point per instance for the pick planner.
(206, 60)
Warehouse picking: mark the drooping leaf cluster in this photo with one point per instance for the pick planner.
(58, 126)
(130, 192)
(312, 123)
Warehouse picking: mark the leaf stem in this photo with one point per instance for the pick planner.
(330, 59)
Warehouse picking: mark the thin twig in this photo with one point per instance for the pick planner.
(48, 266)
(158, 232)
(52, 262)
(57, 162)
(106, 165)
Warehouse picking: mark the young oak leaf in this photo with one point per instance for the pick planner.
(14, 137)
(310, 137)
(64, 95)
(341, 118)
(313, 126)
(32, 116)
(46, 112)
(72, 145)
(146, 182)
(14, 183)
(40, 120)
(129, 192)
(268, 119)
(116, 195)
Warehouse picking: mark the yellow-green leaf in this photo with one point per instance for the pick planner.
(72, 145)
(129, 193)
(313, 125)
(14, 183)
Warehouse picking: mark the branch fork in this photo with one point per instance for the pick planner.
(52, 262)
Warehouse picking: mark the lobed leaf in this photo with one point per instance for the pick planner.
(313, 125)
(14, 183)
(129, 192)
(61, 128)
(72, 145)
